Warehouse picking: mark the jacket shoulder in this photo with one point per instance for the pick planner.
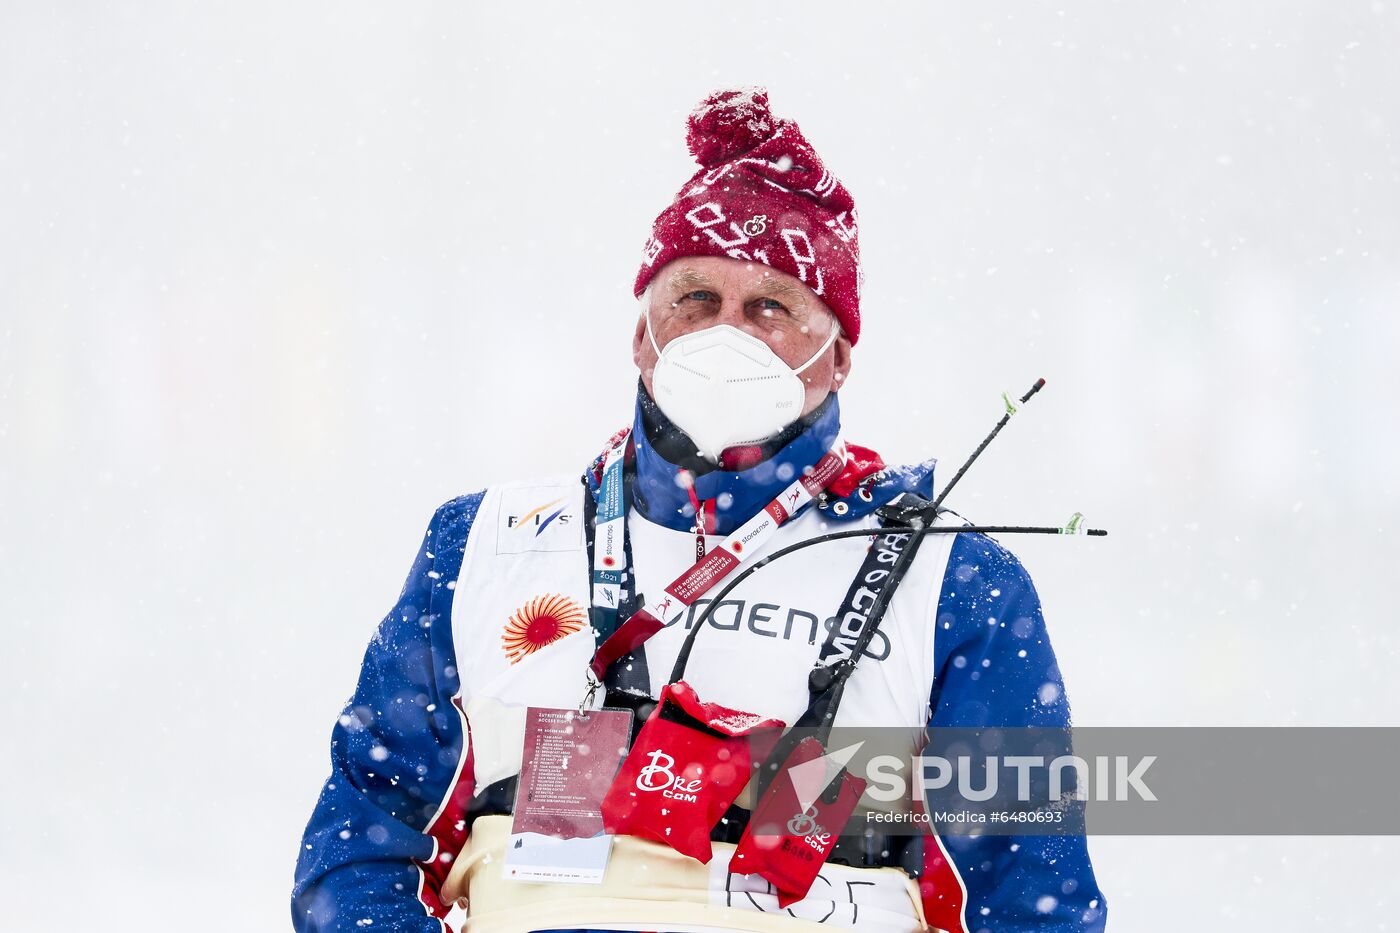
(452, 521)
(877, 489)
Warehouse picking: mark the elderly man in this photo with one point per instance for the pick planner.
(535, 599)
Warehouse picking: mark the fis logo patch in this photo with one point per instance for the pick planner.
(539, 518)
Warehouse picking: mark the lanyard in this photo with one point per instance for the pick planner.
(610, 545)
(610, 538)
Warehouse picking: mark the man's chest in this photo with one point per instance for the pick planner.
(755, 646)
(521, 633)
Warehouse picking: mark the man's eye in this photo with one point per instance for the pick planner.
(700, 296)
(771, 304)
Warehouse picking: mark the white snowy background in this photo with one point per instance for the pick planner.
(278, 279)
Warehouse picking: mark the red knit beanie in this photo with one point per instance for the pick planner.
(761, 195)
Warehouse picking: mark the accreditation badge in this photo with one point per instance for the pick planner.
(565, 768)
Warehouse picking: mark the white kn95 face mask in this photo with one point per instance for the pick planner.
(724, 387)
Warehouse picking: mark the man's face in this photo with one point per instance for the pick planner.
(695, 292)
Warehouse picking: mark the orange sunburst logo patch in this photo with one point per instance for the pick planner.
(540, 622)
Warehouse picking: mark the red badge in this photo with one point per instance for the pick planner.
(798, 820)
(689, 763)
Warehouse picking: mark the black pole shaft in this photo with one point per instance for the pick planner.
(678, 671)
(1039, 384)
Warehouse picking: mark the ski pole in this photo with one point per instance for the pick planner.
(1010, 410)
(922, 522)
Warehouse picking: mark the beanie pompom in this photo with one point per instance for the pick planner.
(761, 195)
(728, 123)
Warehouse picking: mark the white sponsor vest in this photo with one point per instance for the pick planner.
(521, 634)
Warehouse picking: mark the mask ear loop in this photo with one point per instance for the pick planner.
(835, 332)
(651, 333)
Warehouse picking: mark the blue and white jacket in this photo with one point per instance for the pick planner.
(491, 618)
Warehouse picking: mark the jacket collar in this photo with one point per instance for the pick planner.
(669, 505)
(661, 491)
(674, 445)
